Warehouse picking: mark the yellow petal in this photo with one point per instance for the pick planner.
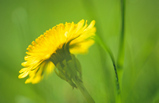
(36, 79)
(29, 80)
(24, 74)
(79, 25)
(81, 47)
(23, 70)
(50, 67)
(91, 25)
(38, 74)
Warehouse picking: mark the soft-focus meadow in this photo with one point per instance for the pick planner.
(22, 21)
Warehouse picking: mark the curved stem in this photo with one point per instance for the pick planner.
(102, 44)
(91, 11)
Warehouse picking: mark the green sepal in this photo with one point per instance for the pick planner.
(69, 70)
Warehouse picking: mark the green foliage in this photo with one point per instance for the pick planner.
(23, 21)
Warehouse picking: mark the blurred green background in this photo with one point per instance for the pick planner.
(21, 21)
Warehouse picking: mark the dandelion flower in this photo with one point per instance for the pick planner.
(55, 46)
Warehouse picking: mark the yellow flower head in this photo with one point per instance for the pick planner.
(77, 37)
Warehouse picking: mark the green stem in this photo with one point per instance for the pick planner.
(91, 11)
(120, 60)
(83, 90)
(102, 44)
